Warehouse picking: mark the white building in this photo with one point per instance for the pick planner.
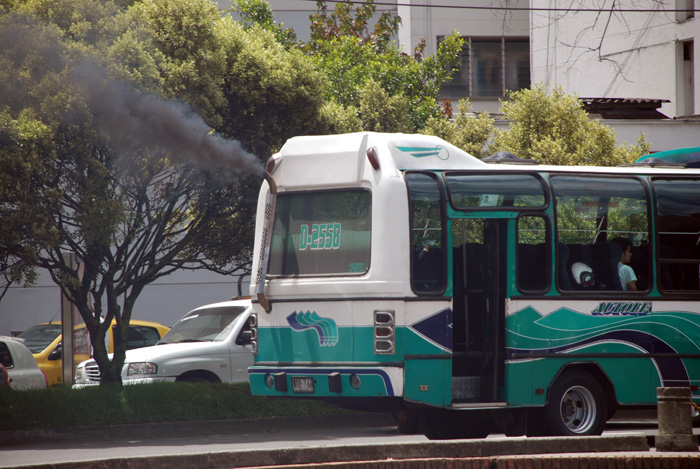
(496, 55)
(638, 49)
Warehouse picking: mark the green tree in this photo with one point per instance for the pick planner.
(350, 54)
(132, 180)
(343, 21)
(259, 13)
(466, 131)
(554, 128)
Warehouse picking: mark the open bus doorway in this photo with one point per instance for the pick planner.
(479, 253)
(478, 274)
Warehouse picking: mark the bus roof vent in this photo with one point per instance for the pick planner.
(505, 157)
(678, 158)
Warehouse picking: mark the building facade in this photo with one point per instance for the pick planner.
(619, 49)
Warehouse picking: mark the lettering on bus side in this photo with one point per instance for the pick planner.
(622, 308)
(320, 236)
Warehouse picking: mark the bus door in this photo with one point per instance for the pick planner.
(480, 250)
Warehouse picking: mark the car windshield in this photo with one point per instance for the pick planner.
(203, 325)
(38, 337)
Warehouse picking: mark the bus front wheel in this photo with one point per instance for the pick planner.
(577, 405)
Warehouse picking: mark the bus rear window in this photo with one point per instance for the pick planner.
(321, 233)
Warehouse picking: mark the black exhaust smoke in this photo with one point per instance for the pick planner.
(127, 115)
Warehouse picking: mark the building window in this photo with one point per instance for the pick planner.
(490, 66)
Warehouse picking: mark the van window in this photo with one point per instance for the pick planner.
(140, 336)
(5, 356)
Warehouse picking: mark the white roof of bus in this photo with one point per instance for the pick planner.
(408, 151)
(341, 158)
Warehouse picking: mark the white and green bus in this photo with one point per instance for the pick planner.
(396, 272)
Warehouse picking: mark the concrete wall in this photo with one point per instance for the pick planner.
(617, 54)
(667, 134)
(164, 301)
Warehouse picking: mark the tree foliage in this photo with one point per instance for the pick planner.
(343, 21)
(259, 13)
(553, 128)
(351, 55)
(116, 137)
(550, 128)
(466, 131)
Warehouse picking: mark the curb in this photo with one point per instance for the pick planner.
(559, 452)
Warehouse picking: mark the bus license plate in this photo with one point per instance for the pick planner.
(303, 384)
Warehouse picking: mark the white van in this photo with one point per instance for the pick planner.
(209, 344)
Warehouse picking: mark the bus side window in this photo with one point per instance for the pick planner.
(533, 266)
(427, 256)
(590, 213)
(678, 226)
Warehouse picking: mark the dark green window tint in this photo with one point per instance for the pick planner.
(321, 233)
(427, 255)
(678, 225)
(487, 191)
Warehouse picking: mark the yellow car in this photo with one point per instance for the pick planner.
(44, 341)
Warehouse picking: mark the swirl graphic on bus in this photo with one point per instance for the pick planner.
(325, 328)
(422, 152)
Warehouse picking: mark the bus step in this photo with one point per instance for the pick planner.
(465, 388)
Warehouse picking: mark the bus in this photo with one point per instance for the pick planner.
(398, 273)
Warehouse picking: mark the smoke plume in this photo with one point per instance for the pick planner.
(124, 112)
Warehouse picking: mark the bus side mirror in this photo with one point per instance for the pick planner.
(244, 338)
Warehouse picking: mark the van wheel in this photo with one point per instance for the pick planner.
(577, 405)
(407, 422)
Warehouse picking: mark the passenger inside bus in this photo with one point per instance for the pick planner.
(628, 279)
(593, 266)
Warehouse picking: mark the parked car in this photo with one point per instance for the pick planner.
(210, 343)
(20, 366)
(44, 341)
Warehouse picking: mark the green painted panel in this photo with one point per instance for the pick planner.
(354, 344)
(428, 381)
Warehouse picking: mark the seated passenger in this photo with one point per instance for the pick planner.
(628, 279)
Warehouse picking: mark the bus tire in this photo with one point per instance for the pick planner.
(577, 405)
